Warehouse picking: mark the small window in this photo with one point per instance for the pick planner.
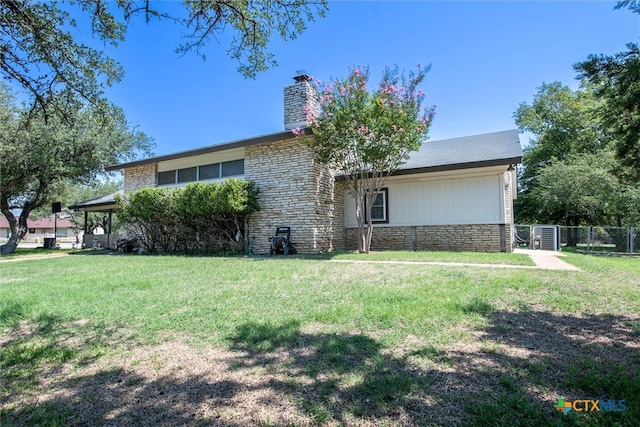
(168, 177)
(380, 207)
(235, 167)
(32, 231)
(210, 171)
(187, 175)
(62, 232)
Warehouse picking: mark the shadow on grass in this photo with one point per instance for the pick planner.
(510, 373)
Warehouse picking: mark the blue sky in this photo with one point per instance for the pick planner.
(486, 58)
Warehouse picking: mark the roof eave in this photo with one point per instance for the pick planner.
(264, 139)
(458, 166)
(97, 205)
(452, 167)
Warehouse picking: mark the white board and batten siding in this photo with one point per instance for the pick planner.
(474, 196)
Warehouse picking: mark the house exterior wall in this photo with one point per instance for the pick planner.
(138, 177)
(456, 197)
(65, 234)
(464, 210)
(296, 192)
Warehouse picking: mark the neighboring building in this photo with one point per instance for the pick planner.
(41, 228)
(451, 195)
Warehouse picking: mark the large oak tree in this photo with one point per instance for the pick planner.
(39, 151)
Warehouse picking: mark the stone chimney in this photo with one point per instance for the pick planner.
(296, 96)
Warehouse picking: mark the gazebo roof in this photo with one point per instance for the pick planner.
(98, 204)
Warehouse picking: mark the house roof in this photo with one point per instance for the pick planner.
(490, 149)
(263, 139)
(107, 200)
(46, 223)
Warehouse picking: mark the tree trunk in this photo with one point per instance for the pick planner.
(19, 229)
(362, 238)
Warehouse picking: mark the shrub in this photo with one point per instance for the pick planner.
(198, 218)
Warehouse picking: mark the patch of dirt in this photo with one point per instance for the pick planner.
(286, 375)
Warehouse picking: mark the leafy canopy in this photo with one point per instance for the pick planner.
(361, 132)
(365, 135)
(616, 81)
(40, 47)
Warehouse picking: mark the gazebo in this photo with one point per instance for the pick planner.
(104, 204)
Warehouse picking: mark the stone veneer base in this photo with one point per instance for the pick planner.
(463, 237)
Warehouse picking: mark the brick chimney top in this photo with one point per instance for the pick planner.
(302, 77)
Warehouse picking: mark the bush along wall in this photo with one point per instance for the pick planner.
(196, 219)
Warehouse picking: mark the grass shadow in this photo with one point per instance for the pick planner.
(346, 375)
(509, 372)
(32, 350)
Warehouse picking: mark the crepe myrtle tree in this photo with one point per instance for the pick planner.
(366, 135)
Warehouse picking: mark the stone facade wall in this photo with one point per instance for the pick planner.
(295, 192)
(142, 176)
(460, 237)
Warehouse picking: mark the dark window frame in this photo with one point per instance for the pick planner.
(385, 192)
(175, 177)
(222, 174)
(193, 169)
(217, 168)
(220, 166)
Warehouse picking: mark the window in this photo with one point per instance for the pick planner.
(380, 207)
(235, 167)
(210, 171)
(168, 177)
(62, 232)
(32, 231)
(201, 173)
(187, 175)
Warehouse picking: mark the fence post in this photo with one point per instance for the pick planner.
(632, 240)
(589, 239)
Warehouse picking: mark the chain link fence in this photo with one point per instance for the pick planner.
(588, 238)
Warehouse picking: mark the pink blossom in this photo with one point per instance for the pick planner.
(297, 132)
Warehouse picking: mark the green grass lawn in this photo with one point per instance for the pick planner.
(341, 343)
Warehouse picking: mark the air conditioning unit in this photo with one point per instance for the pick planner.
(545, 237)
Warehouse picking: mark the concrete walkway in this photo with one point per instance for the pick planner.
(31, 257)
(543, 260)
(548, 260)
